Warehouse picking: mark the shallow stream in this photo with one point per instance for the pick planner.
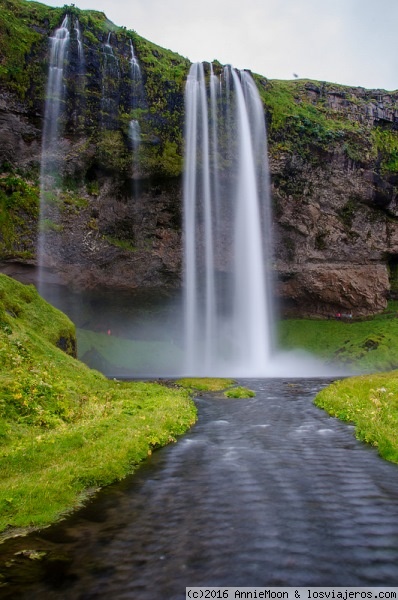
(268, 491)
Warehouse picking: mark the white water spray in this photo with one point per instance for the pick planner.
(227, 306)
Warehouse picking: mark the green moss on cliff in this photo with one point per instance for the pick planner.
(19, 211)
(385, 142)
(112, 152)
(24, 31)
(24, 27)
(307, 115)
(300, 122)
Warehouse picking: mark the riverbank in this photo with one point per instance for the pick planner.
(371, 403)
(366, 345)
(267, 491)
(65, 430)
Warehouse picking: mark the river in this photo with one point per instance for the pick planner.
(268, 491)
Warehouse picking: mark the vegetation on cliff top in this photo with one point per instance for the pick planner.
(63, 427)
(301, 119)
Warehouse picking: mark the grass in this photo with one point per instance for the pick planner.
(205, 384)
(239, 392)
(66, 429)
(215, 384)
(371, 403)
(370, 345)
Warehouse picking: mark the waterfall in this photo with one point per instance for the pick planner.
(135, 140)
(226, 225)
(134, 134)
(110, 85)
(136, 78)
(80, 50)
(137, 102)
(50, 158)
(55, 87)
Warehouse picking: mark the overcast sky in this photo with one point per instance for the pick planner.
(353, 42)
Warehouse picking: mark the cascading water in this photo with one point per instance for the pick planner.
(55, 93)
(226, 205)
(110, 85)
(80, 49)
(137, 101)
(136, 78)
(135, 140)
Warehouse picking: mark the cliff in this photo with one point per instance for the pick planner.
(333, 160)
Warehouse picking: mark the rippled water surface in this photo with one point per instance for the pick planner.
(262, 492)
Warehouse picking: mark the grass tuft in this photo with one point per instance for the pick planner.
(204, 384)
(239, 392)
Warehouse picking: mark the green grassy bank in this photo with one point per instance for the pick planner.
(65, 430)
(371, 403)
(366, 346)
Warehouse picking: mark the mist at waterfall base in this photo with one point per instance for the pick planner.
(222, 324)
(140, 334)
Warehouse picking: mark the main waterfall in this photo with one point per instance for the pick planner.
(226, 226)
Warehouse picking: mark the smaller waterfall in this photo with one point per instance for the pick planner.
(135, 140)
(55, 86)
(50, 157)
(80, 49)
(134, 134)
(110, 85)
(77, 81)
(137, 102)
(226, 204)
(135, 74)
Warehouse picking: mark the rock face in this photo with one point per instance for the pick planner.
(337, 242)
(115, 241)
(336, 203)
(117, 222)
